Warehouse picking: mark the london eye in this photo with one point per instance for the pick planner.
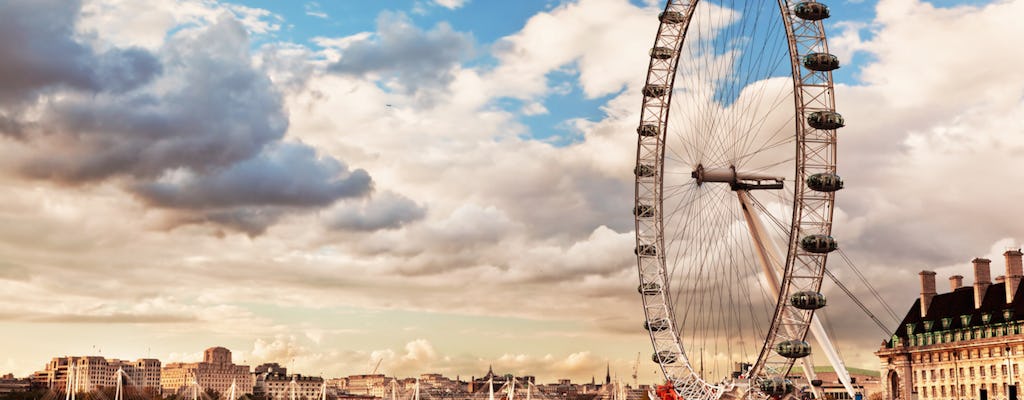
(735, 188)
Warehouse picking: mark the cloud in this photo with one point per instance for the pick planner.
(284, 174)
(195, 127)
(451, 4)
(413, 57)
(384, 211)
(40, 53)
(313, 9)
(210, 109)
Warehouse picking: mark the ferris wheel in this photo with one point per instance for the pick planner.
(735, 186)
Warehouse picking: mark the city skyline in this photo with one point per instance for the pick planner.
(434, 185)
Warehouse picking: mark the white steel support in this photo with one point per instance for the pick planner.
(68, 392)
(118, 395)
(771, 264)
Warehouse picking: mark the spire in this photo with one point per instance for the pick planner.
(490, 371)
(608, 374)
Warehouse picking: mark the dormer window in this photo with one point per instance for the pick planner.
(910, 328)
(965, 320)
(946, 322)
(986, 318)
(1008, 314)
(928, 325)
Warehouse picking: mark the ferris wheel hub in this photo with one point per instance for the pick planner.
(737, 180)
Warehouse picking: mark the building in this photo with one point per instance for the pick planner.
(215, 372)
(965, 344)
(90, 373)
(864, 382)
(363, 385)
(10, 384)
(274, 385)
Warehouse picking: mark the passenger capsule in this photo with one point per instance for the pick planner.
(825, 120)
(648, 130)
(824, 182)
(821, 62)
(643, 211)
(662, 53)
(646, 250)
(655, 90)
(649, 289)
(793, 349)
(671, 17)
(811, 11)
(656, 325)
(665, 357)
(819, 244)
(807, 300)
(776, 387)
(816, 382)
(644, 171)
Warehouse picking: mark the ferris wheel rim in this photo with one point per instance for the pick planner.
(824, 101)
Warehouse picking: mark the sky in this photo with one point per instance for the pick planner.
(440, 185)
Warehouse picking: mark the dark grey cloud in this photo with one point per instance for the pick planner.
(416, 57)
(217, 110)
(253, 194)
(385, 211)
(39, 52)
(285, 174)
(194, 128)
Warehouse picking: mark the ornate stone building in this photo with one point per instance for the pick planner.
(965, 344)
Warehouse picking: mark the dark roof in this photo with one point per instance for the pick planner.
(961, 302)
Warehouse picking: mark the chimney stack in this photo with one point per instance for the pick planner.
(927, 290)
(956, 282)
(982, 279)
(1014, 272)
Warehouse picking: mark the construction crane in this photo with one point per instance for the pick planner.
(377, 366)
(636, 366)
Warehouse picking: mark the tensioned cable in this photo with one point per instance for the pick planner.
(836, 280)
(869, 286)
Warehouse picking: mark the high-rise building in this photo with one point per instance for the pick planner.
(965, 344)
(215, 372)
